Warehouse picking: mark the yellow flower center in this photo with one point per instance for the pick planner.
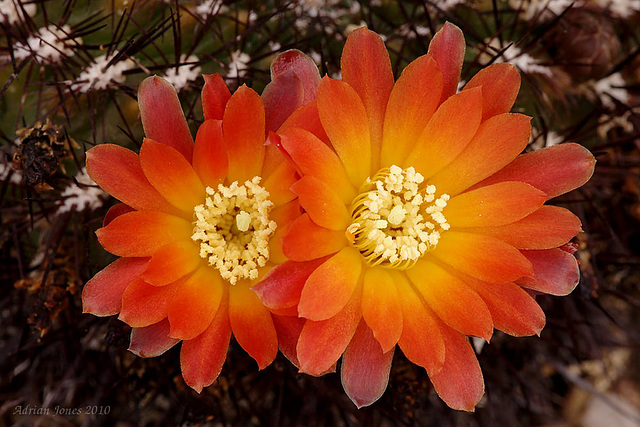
(233, 228)
(396, 220)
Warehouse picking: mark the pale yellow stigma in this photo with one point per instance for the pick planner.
(233, 228)
(396, 220)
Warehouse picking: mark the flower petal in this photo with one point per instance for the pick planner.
(305, 240)
(330, 287)
(366, 68)
(142, 233)
(500, 85)
(448, 132)
(279, 183)
(555, 272)
(283, 216)
(453, 301)
(498, 141)
(201, 358)
(315, 158)
(303, 66)
(115, 211)
(282, 286)
(494, 205)
(413, 100)
(172, 175)
(244, 134)
(447, 48)
(162, 116)
(345, 119)
(421, 340)
(459, 383)
(144, 304)
(288, 329)
(512, 309)
(281, 97)
(102, 295)
(483, 257)
(546, 228)
(215, 95)
(210, 154)
(365, 368)
(117, 170)
(381, 307)
(196, 303)
(555, 170)
(172, 262)
(152, 340)
(322, 203)
(252, 325)
(322, 343)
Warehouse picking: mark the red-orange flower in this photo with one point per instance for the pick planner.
(199, 224)
(422, 223)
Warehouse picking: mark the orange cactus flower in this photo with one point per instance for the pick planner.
(423, 224)
(199, 224)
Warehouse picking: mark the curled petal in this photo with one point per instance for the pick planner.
(302, 66)
(322, 203)
(447, 48)
(215, 95)
(365, 368)
(305, 240)
(555, 272)
(115, 211)
(500, 85)
(288, 329)
(144, 304)
(152, 340)
(282, 96)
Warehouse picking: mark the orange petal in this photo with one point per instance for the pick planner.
(500, 85)
(172, 175)
(195, 303)
(142, 233)
(172, 262)
(365, 368)
(413, 100)
(498, 141)
(555, 272)
(115, 211)
(288, 329)
(330, 287)
(215, 95)
(345, 119)
(144, 304)
(282, 286)
(279, 183)
(162, 116)
(494, 205)
(546, 228)
(117, 170)
(321, 343)
(322, 203)
(453, 301)
(483, 257)
(210, 154)
(152, 340)
(102, 295)
(459, 383)
(555, 170)
(244, 134)
(381, 307)
(283, 216)
(252, 325)
(201, 358)
(512, 309)
(367, 69)
(305, 240)
(315, 158)
(447, 48)
(421, 340)
(306, 118)
(448, 132)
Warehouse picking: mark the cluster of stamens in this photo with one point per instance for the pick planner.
(396, 220)
(233, 228)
